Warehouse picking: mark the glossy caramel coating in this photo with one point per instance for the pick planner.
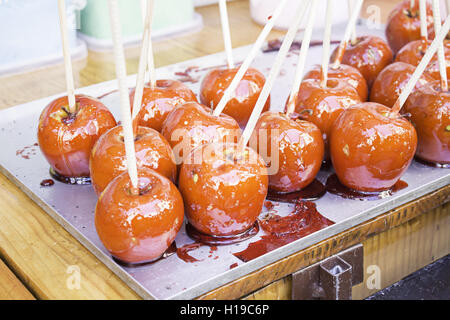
(348, 73)
(429, 108)
(139, 228)
(369, 54)
(240, 107)
(158, 102)
(299, 149)
(414, 51)
(223, 193)
(390, 82)
(192, 124)
(66, 139)
(370, 150)
(108, 158)
(322, 106)
(403, 24)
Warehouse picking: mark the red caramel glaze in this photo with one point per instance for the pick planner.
(432, 164)
(403, 24)
(429, 107)
(391, 80)
(27, 151)
(183, 252)
(299, 150)
(335, 187)
(370, 150)
(280, 231)
(192, 124)
(69, 180)
(322, 106)
(47, 183)
(108, 159)
(139, 228)
(369, 54)
(66, 139)
(224, 192)
(158, 102)
(169, 252)
(221, 240)
(313, 191)
(347, 73)
(240, 107)
(234, 265)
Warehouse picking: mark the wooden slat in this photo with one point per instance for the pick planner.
(10, 287)
(329, 247)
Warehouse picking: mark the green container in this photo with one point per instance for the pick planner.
(169, 15)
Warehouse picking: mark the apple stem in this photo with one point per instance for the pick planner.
(326, 44)
(226, 32)
(275, 70)
(140, 80)
(230, 91)
(441, 53)
(421, 67)
(67, 59)
(348, 31)
(121, 72)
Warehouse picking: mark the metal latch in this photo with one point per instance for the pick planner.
(330, 279)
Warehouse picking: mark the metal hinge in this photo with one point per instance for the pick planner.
(330, 279)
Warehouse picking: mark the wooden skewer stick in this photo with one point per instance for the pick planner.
(140, 80)
(423, 20)
(226, 32)
(411, 4)
(302, 58)
(347, 34)
(326, 44)
(67, 58)
(230, 91)
(121, 72)
(421, 68)
(350, 10)
(282, 53)
(441, 52)
(148, 6)
(447, 5)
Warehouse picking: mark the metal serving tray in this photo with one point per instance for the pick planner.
(172, 278)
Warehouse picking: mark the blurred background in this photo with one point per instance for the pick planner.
(30, 51)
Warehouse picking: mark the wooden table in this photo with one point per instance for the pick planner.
(36, 253)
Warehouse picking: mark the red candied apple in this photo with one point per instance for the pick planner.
(193, 124)
(322, 106)
(350, 74)
(429, 108)
(223, 189)
(390, 82)
(414, 51)
(66, 138)
(159, 101)
(240, 107)
(369, 54)
(108, 158)
(138, 228)
(370, 148)
(403, 24)
(299, 148)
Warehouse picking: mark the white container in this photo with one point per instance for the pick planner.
(260, 10)
(30, 34)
